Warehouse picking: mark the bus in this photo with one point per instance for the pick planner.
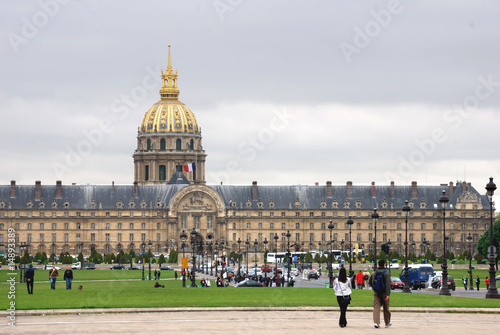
(279, 257)
(336, 254)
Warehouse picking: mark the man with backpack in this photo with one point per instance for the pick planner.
(380, 281)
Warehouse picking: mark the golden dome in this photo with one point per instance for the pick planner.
(169, 114)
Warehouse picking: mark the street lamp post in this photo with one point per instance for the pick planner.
(255, 245)
(469, 238)
(492, 290)
(443, 200)
(211, 258)
(350, 222)
(247, 243)
(131, 248)
(183, 238)
(330, 270)
(23, 247)
(193, 270)
(406, 288)
(149, 258)
(320, 255)
(276, 258)
(143, 245)
(239, 256)
(265, 260)
(217, 258)
(288, 258)
(375, 217)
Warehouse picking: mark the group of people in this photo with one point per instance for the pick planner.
(478, 282)
(381, 292)
(53, 276)
(157, 274)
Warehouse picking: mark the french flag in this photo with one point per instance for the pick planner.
(190, 167)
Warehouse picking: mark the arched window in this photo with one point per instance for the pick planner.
(148, 144)
(163, 145)
(163, 172)
(178, 146)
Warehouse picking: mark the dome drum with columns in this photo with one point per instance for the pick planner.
(168, 139)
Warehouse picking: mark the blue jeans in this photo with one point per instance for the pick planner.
(68, 283)
(53, 283)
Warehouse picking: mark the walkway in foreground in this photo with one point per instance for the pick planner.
(242, 322)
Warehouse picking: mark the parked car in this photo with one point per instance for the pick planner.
(135, 267)
(294, 272)
(313, 274)
(419, 275)
(49, 266)
(249, 283)
(166, 268)
(266, 268)
(117, 267)
(396, 283)
(436, 282)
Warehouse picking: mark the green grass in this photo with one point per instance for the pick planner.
(115, 289)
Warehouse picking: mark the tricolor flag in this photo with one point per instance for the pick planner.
(190, 167)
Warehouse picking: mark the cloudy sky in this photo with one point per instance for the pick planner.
(286, 92)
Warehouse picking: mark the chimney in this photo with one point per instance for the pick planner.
(373, 189)
(328, 189)
(254, 190)
(414, 190)
(392, 189)
(136, 189)
(450, 188)
(113, 186)
(349, 189)
(464, 186)
(58, 189)
(12, 188)
(38, 190)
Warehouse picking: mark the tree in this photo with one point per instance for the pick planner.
(80, 257)
(173, 257)
(161, 260)
(484, 240)
(308, 258)
(131, 253)
(52, 256)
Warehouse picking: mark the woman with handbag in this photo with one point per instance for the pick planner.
(342, 289)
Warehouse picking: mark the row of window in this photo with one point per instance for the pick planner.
(78, 225)
(107, 237)
(163, 144)
(77, 214)
(358, 214)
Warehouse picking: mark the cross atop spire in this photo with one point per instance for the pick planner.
(169, 90)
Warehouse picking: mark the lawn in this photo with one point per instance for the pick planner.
(115, 289)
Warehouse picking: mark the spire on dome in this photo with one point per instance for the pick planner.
(169, 90)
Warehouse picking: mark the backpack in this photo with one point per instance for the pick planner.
(378, 282)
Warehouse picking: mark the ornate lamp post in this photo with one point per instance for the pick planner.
(193, 270)
(131, 248)
(406, 288)
(183, 238)
(330, 270)
(149, 259)
(492, 290)
(265, 260)
(350, 222)
(276, 258)
(239, 256)
(375, 217)
(23, 247)
(288, 257)
(469, 238)
(320, 255)
(255, 245)
(211, 258)
(443, 200)
(247, 243)
(217, 258)
(143, 246)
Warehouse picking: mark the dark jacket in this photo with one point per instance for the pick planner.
(387, 280)
(30, 273)
(68, 274)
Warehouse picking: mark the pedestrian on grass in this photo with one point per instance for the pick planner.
(464, 280)
(175, 274)
(29, 276)
(68, 276)
(342, 289)
(155, 274)
(366, 279)
(53, 275)
(478, 281)
(359, 280)
(487, 282)
(159, 274)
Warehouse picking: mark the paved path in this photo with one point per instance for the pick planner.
(237, 322)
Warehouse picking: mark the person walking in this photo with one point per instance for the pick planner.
(53, 275)
(478, 281)
(359, 280)
(158, 274)
(366, 279)
(464, 280)
(342, 289)
(29, 276)
(487, 282)
(175, 274)
(380, 281)
(68, 276)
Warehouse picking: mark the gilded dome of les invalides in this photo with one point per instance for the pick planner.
(169, 115)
